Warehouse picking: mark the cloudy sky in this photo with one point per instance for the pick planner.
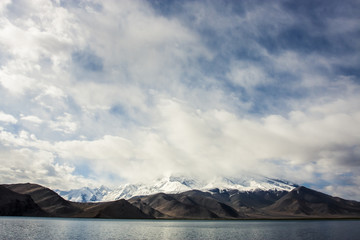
(108, 92)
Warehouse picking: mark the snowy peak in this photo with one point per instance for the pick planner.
(176, 184)
(164, 185)
(253, 183)
(85, 194)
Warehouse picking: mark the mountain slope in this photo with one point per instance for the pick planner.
(172, 206)
(15, 204)
(47, 199)
(307, 202)
(116, 209)
(301, 202)
(56, 206)
(192, 204)
(250, 199)
(208, 201)
(232, 204)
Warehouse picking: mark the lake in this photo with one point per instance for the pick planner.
(65, 228)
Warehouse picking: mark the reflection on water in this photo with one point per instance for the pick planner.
(57, 228)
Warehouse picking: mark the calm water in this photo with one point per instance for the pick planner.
(56, 228)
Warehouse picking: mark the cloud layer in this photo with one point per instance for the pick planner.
(95, 92)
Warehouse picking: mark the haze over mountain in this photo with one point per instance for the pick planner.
(120, 92)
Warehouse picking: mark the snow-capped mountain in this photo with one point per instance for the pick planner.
(85, 194)
(172, 184)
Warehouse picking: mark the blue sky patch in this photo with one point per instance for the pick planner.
(88, 61)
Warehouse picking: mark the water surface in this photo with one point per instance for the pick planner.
(64, 228)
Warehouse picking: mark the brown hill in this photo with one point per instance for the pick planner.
(233, 204)
(303, 201)
(171, 207)
(51, 203)
(115, 209)
(147, 209)
(249, 199)
(15, 204)
(248, 203)
(190, 205)
(35, 200)
(47, 199)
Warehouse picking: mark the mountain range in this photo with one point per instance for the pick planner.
(213, 203)
(175, 184)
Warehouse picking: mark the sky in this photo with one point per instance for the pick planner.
(110, 92)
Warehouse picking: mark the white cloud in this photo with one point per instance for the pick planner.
(344, 191)
(4, 4)
(246, 75)
(7, 118)
(215, 142)
(219, 142)
(149, 94)
(33, 119)
(63, 124)
(26, 165)
(14, 82)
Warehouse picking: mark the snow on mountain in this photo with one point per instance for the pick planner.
(173, 184)
(166, 185)
(85, 194)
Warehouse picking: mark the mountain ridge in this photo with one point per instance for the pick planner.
(55, 206)
(175, 184)
(16, 204)
(299, 203)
